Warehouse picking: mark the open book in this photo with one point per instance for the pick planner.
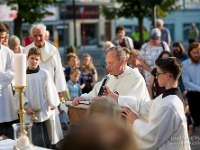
(84, 102)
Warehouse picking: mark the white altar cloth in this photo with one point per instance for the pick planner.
(9, 144)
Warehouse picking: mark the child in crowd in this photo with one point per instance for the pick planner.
(72, 61)
(161, 123)
(41, 95)
(73, 85)
(78, 63)
(190, 121)
(127, 51)
(134, 62)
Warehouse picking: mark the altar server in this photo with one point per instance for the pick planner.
(122, 79)
(166, 127)
(8, 114)
(41, 94)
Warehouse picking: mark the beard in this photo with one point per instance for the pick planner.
(195, 60)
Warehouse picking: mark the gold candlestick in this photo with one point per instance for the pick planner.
(23, 140)
(20, 90)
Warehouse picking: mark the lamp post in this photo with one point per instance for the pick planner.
(74, 20)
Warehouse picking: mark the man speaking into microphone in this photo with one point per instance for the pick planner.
(121, 78)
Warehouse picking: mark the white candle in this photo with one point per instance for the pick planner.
(20, 69)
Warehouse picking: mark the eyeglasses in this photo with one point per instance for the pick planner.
(158, 73)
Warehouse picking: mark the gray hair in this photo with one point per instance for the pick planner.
(120, 53)
(13, 41)
(38, 26)
(160, 21)
(107, 45)
(47, 33)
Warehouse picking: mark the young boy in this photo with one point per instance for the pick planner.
(41, 94)
(72, 61)
(73, 85)
(166, 125)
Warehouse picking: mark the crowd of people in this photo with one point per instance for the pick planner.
(149, 87)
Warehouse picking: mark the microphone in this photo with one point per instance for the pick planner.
(103, 84)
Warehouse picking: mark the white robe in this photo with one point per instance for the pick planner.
(41, 94)
(167, 126)
(7, 107)
(130, 82)
(51, 62)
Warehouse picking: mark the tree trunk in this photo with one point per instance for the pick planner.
(18, 24)
(140, 22)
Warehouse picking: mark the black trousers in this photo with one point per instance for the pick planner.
(194, 106)
(7, 129)
(191, 41)
(40, 135)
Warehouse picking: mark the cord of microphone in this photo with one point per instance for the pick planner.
(103, 84)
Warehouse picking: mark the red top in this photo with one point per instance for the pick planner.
(27, 41)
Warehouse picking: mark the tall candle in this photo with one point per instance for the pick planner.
(20, 69)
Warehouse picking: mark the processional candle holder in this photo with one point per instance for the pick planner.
(23, 141)
(65, 96)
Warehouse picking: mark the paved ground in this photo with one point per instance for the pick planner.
(195, 139)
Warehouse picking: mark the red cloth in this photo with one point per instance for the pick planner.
(27, 41)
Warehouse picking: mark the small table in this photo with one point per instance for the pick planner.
(76, 113)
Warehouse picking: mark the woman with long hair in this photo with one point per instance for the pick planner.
(89, 73)
(179, 52)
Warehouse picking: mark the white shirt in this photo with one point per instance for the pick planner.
(166, 127)
(8, 112)
(41, 94)
(52, 63)
(130, 82)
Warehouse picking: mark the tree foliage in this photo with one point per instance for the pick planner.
(29, 11)
(135, 8)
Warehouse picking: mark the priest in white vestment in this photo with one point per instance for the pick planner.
(8, 113)
(122, 79)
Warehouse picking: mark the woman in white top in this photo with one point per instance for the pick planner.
(150, 52)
